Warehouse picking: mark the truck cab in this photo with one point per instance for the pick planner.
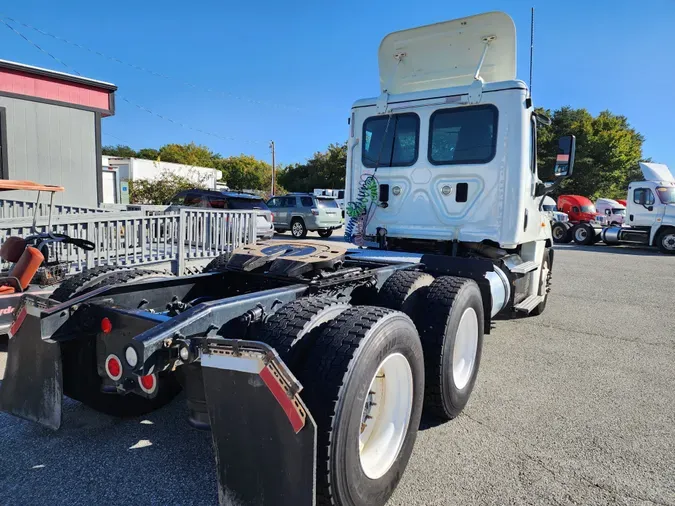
(614, 212)
(447, 153)
(550, 208)
(580, 209)
(651, 203)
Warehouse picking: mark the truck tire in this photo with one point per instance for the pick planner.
(365, 372)
(403, 290)
(560, 232)
(325, 233)
(293, 329)
(84, 282)
(218, 264)
(665, 241)
(80, 376)
(583, 234)
(298, 228)
(544, 282)
(451, 329)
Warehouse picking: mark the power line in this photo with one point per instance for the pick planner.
(142, 108)
(149, 71)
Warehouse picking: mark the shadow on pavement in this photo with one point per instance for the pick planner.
(98, 459)
(616, 250)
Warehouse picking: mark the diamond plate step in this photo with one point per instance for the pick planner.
(525, 267)
(529, 304)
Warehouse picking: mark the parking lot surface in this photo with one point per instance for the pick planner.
(574, 407)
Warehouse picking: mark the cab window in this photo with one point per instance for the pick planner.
(390, 141)
(643, 196)
(463, 135)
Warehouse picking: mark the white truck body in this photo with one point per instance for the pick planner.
(614, 212)
(650, 211)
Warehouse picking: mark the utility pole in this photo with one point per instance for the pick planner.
(274, 168)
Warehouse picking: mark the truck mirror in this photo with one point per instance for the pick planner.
(564, 160)
(608, 212)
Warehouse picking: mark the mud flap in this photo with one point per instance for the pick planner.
(33, 383)
(264, 437)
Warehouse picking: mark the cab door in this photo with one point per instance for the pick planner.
(642, 210)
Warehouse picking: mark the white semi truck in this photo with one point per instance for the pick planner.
(650, 211)
(310, 363)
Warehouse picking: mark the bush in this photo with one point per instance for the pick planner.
(161, 189)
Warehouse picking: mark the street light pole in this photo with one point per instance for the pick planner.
(273, 167)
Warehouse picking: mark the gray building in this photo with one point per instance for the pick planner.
(50, 131)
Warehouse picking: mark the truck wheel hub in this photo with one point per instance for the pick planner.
(669, 241)
(466, 346)
(385, 416)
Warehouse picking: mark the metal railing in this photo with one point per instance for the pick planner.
(179, 241)
(23, 209)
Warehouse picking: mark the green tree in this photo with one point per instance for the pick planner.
(608, 150)
(188, 154)
(160, 189)
(148, 153)
(245, 172)
(120, 150)
(324, 170)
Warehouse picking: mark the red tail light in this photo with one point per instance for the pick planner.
(271, 217)
(106, 326)
(315, 212)
(148, 383)
(113, 367)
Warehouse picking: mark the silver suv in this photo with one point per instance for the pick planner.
(303, 212)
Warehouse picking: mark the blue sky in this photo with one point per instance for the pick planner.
(290, 70)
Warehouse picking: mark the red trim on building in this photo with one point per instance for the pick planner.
(53, 89)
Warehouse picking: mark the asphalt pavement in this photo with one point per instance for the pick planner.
(574, 407)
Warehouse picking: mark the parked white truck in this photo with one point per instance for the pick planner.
(549, 207)
(650, 211)
(312, 364)
(615, 212)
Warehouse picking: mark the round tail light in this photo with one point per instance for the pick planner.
(113, 367)
(148, 383)
(106, 325)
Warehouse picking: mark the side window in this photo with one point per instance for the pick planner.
(217, 202)
(273, 202)
(398, 148)
(463, 135)
(643, 196)
(193, 199)
(341, 194)
(178, 200)
(289, 202)
(307, 201)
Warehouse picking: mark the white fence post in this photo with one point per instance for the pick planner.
(182, 234)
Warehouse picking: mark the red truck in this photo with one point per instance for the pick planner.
(584, 221)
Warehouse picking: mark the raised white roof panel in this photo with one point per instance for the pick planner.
(446, 54)
(656, 172)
